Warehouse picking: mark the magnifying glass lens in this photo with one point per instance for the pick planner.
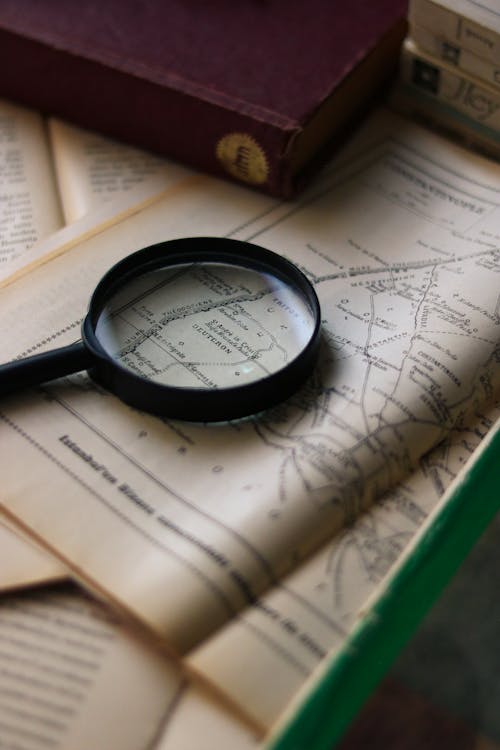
(199, 328)
(205, 325)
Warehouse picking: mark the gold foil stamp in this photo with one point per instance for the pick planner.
(243, 158)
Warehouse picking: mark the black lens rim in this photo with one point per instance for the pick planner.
(200, 404)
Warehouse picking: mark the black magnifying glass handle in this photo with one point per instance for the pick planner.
(40, 368)
(200, 328)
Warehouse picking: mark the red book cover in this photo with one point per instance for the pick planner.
(253, 89)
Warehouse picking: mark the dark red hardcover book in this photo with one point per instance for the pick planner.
(254, 89)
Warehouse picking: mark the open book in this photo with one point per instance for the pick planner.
(57, 177)
(249, 552)
(54, 176)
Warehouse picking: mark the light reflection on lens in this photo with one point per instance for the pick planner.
(205, 325)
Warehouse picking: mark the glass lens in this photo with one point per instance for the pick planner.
(205, 325)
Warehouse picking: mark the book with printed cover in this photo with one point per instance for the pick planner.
(456, 55)
(465, 106)
(464, 24)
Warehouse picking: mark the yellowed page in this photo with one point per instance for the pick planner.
(72, 677)
(22, 563)
(263, 658)
(199, 721)
(400, 246)
(92, 170)
(29, 201)
(90, 225)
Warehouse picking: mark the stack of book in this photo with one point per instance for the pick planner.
(450, 69)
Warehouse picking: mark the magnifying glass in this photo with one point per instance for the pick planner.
(201, 328)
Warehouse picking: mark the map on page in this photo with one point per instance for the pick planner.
(400, 243)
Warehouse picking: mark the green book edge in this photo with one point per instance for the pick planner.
(327, 709)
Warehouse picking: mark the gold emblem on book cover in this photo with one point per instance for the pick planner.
(243, 158)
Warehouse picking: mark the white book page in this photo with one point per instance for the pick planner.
(92, 170)
(401, 247)
(29, 200)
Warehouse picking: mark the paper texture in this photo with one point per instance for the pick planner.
(106, 182)
(29, 202)
(263, 658)
(73, 677)
(90, 225)
(96, 181)
(401, 243)
(22, 563)
(199, 721)
(92, 170)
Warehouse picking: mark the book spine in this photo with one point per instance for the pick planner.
(213, 137)
(445, 121)
(457, 55)
(476, 103)
(456, 28)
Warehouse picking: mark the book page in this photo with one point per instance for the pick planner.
(29, 200)
(401, 244)
(22, 563)
(264, 657)
(90, 225)
(199, 721)
(72, 677)
(92, 170)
